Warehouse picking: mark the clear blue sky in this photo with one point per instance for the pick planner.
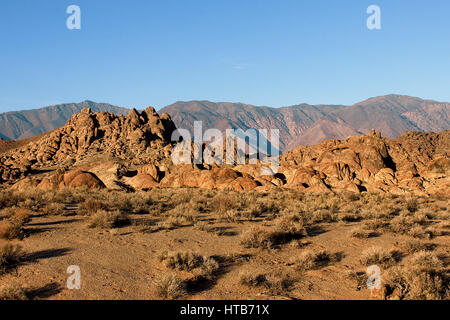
(263, 52)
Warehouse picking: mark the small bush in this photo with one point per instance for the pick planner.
(276, 284)
(361, 233)
(412, 205)
(426, 261)
(416, 246)
(411, 283)
(11, 229)
(54, 209)
(10, 257)
(265, 238)
(91, 206)
(23, 215)
(190, 261)
(378, 256)
(169, 286)
(107, 220)
(312, 259)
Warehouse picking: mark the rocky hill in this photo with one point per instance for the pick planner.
(103, 150)
(25, 124)
(91, 137)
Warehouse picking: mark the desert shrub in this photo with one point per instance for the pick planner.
(373, 224)
(11, 228)
(410, 283)
(10, 257)
(417, 232)
(402, 224)
(172, 222)
(426, 261)
(169, 286)
(275, 284)
(232, 216)
(252, 279)
(412, 205)
(201, 266)
(223, 202)
(414, 246)
(186, 211)
(202, 226)
(23, 215)
(13, 292)
(254, 211)
(53, 209)
(182, 260)
(284, 232)
(361, 233)
(379, 256)
(314, 259)
(349, 217)
(91, 206)
(9, 199)
(352, 196)
(108, 219)
(323, 215)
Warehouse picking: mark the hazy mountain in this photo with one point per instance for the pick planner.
(299, 125)
(307, 125)
(291, 121)
(28, 123)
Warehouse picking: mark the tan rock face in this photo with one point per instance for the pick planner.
(137, 149)
(370, 162)
(138, 137)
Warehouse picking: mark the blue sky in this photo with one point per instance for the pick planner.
(276, 53)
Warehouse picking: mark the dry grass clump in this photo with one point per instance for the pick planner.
(349, 217)
(10, 257)
(277, 284)
(373, 224)
(223, 202)
(411, 283)
(171, 223)
(286, 230)
(169, 286)
(23, 214)
(412, 205)
(189, 261)
(53, 209)
(13, 292)
(184, 211)
(12, 228)
(426, 261)
(323, 215)
(91, 206)
(361, 233)
(413, 246)
(314, 259)
(107, 219)
(379, 256)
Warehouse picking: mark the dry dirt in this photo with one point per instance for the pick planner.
(121, 263)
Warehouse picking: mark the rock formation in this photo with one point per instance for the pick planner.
(98, 150)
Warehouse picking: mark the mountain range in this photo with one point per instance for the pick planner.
(18, 125)
(301, 124)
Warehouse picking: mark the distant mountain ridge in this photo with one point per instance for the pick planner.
(17, 125)
(302, 124)
(308, 125)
